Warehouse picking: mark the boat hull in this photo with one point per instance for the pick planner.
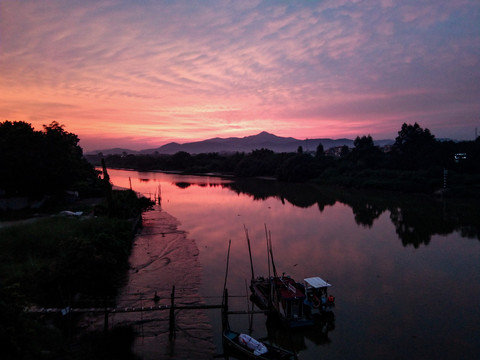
(231, 341)
(282, 297)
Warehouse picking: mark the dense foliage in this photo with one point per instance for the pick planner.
(56, 258)
(415, 162)
(36, 163)
(59, 261)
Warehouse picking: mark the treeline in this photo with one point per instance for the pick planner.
(415, 162)
(35, 163)
(60, 261)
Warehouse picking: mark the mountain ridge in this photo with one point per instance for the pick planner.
(249, 143)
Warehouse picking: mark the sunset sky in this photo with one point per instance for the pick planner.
(139, 74)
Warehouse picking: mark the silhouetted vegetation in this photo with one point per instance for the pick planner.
(60, 261)
(56, 258)
(51, 156)
(416, 162)
(63, 262)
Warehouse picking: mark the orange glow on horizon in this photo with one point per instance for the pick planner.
(117, 78)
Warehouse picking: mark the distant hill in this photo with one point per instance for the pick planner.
(245, 144)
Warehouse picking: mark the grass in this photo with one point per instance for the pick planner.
(58, 261)
(56, 258)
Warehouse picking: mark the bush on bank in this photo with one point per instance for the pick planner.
(58, 262)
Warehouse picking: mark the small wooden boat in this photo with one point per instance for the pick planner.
(317, 296)
(284, 297)
(261, 289)
(281, 296)
(248, 346)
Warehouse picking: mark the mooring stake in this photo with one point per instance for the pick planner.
(172, 314)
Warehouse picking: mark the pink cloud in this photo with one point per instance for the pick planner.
(183, 70)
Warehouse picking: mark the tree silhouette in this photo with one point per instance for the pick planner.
(20, 149)
(320, 153)
(37, 163)
(414, 147)
(365, 154)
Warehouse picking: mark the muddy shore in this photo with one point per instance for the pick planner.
(162, 257)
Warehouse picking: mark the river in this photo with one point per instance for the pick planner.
(405, 269)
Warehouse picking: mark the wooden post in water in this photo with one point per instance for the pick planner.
(172, 314)
(224, 310)
(249, 251)
(159, 197)
(105, 320)
(268, 254)
(225, 324)
(225, 305)
(226, 269)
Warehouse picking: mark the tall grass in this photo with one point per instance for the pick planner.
(53, 259)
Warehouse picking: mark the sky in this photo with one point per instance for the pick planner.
(139, 74)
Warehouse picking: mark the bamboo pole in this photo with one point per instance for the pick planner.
(249, 251)
(172, 315)
(225, 324)
(226, 270)
(105, 320)
(268, 253)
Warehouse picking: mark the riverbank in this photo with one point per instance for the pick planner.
(38, 268)
(63, 262)
(452, 184)
(163, 257)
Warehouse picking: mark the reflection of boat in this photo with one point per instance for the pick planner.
(317, 297)
(296, 340)
(248, 346)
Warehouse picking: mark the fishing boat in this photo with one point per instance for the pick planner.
(282, 297)
(248, 346)
(317, 297)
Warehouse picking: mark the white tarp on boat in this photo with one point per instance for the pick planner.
(257, 347)
(316, 282)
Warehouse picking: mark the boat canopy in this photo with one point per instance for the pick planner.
(316, 282)
(288, 288)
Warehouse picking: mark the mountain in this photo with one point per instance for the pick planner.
(246, 144)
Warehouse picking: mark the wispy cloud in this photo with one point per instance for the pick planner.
(191, 70)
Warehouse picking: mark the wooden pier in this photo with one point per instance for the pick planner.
(116, 310)
(172, 307)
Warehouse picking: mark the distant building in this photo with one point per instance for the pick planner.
(460, 157)
(335, 152)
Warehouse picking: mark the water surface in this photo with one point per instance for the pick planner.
(405, 269)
